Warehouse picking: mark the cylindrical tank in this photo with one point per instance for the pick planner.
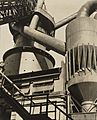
(81, 45)
(23, 60)
(81, 31)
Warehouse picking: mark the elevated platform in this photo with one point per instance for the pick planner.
(15, 10)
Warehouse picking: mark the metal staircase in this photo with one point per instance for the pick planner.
(15, 106)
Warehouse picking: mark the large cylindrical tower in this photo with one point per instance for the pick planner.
(81, 45)
(27, 56)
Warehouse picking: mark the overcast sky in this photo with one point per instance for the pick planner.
(59, 9)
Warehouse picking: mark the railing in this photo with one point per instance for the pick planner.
(5, 78)
(34, 105)
(56, 107)
(14, 85)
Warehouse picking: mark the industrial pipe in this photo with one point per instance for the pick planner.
(87, 9)
(65, 21)
(45, 40)
(35, 25)
(35, 19)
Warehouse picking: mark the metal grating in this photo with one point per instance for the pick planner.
(14, 10)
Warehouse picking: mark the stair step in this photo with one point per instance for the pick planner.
(17, 107)
(41, 117)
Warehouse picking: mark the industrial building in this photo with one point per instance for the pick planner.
(31, 86)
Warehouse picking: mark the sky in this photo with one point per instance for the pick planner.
(59, 9)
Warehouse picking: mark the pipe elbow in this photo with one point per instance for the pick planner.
(87, 9)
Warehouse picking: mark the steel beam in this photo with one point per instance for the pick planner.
(39, 76)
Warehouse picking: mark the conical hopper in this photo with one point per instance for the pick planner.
(83, 88)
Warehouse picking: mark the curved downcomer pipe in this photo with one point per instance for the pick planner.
(87, 9)
(65, 21)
